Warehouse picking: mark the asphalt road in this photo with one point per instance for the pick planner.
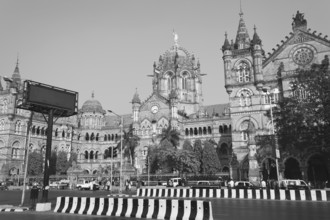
(223, 209)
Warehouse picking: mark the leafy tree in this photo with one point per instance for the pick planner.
(171, 135)
(187, 160)
(210, 160)
(35, 163)
(198, 149)
(187, 145)
(130, 142)
(303, 119)
(62, 164)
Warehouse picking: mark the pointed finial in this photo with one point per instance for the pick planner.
(255, 29)
(93, 94)
(226, 34)
(240, 8)
(176, 39)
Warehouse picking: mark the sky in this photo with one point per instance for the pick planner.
(109, 46)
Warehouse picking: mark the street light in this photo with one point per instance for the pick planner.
(121, 148)
(277, 151)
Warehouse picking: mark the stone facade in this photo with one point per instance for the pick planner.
(248, 74)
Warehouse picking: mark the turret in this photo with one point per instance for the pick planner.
(242, 36)
(227, 56)
(136, 103)
(257, 59)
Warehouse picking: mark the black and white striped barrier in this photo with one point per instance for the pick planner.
(13, 209)
(136, 208)
(281, 194)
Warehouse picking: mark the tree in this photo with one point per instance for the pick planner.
(303, 119)
(187, 145)
(62, 162)
(171, 135)
(210, 159)
(35, 164)
(198, 150)
(130, 142)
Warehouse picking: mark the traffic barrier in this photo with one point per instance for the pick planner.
(270, 194)
(137, 207)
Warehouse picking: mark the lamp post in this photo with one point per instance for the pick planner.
(277, 151)
(121, 149)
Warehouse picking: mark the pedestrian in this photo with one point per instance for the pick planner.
(129, 185)
(231, 183)
(108, 184)
(34, 194)
(126, 185)
(263, 184)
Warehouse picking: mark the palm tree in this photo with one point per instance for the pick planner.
(171, 135)
(130, 142)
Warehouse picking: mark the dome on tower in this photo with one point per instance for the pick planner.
(92, 105)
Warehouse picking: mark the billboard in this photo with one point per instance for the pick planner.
(40, 97)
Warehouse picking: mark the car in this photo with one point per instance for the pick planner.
(204, 184)
(293, 184)
(173, 182)
(245, 185)
(87, 185)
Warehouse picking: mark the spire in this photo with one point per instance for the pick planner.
(226, 45)
(16, 68)
(242, 37)
(136, 98)
(93, 94)
(256, 39)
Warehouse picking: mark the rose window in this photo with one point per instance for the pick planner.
(303, 56)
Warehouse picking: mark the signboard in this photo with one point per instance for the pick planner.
(41, 98)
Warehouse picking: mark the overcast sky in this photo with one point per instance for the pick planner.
(109, 46)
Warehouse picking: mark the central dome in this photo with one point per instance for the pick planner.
(92, 105)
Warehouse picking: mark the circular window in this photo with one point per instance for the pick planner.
(303, 56)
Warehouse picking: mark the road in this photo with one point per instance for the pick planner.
(233, 209)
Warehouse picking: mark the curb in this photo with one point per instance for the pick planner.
(13, 209)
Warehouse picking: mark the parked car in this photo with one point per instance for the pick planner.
(293, 184)
(87, 185)
(204, 184)
(245, 185)
(173, 182)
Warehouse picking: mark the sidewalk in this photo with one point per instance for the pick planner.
(11, 208)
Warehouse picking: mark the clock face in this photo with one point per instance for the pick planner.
(154, 109)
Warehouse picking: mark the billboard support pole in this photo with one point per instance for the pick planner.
(47, 155)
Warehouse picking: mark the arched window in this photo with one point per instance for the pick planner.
(15, 150)
(225, 129)
(109, 137)
(87, 137)
(97, 137)
(42, 131)
(86, 154)
(91, 155)
(243, 72)
(56, 132)
(245, 127)
(96, 154)
(204, 130)
(209, 130)
(38, 130)
(184, 80)
(220, 129)
(245, 97)
(18, 127)
(34, 129)
(195, 131)
(112, 137)
(92, 136)
(187, 132)
(105, 137)
(200, 131)
(191, 132)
